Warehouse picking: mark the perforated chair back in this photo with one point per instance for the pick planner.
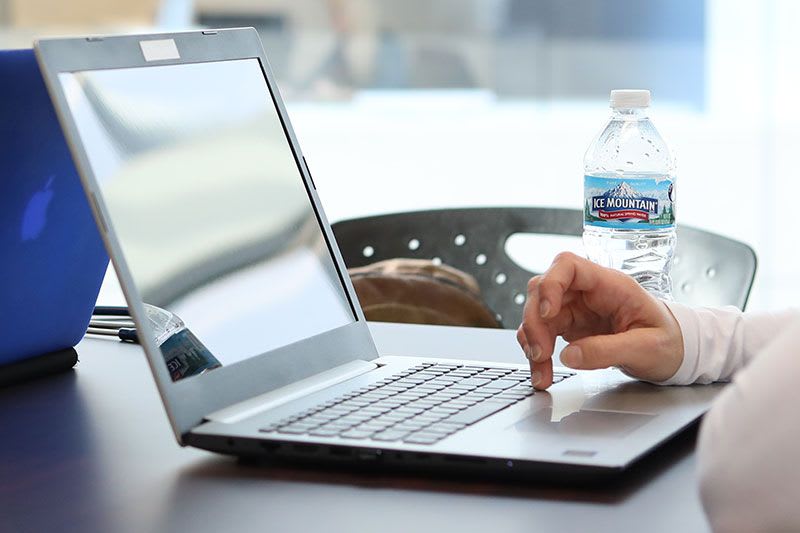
(709, 269)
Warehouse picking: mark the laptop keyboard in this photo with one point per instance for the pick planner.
(421, 405)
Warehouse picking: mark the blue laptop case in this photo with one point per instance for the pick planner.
(52, 259)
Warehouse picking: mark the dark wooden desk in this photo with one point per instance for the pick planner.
(91, 450)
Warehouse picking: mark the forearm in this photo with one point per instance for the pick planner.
(748, 446)
(719, 342)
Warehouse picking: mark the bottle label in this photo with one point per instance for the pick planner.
(186, 355)
(641, 203)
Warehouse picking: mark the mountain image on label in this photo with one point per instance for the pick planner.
(624, 203)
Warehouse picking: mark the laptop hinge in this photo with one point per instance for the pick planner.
(298, 389)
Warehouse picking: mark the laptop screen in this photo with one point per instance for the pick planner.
(206, 199)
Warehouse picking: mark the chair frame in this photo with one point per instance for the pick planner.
(709, 269)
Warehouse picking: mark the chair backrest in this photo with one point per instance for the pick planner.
(708, 269)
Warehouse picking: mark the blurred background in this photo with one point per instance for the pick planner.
(416, 104)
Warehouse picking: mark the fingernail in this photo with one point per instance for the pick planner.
(536, 378)
(572, 356)
(544, 308)
(536, 352)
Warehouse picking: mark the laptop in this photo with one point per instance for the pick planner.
(209, 214)
(52, 259)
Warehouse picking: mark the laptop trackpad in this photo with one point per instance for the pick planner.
(584, 423)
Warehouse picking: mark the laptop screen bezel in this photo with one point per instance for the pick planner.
(189, 400)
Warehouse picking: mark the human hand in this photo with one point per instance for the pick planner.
(604, 315)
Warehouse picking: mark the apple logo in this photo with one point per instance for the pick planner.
(35, 215)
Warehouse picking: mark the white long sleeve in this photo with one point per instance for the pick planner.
(749, 444)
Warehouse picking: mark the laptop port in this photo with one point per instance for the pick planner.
(369, 455)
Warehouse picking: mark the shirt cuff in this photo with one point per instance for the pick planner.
(690, 330)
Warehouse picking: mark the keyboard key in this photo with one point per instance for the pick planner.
(315, 420)
(444, 409)
(324, 432)
(480, 394)
(410, 426)
(455, 403)
(458, 387)
(355, 418)
(425, 404)
(444, 428)
(372, 428)
(511, 397)
(440, 432)
(295, 429)
(449, 393)
(478, 412)
(502, 384)
(356, 434)
(394, 415)
(422, 438)
(339, 410)
(373, 396)
(411, 381)
(476, 382)
(413, 394)
(494, 373)
(459, 404)
(375, 410)
(339, 427)
(393, 402)
(389, 435)
(326, 415)
(378, 394)
(409, 410)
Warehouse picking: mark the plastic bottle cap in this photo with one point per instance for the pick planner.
(625, 98)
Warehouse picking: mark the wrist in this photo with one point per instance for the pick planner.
(683, 317)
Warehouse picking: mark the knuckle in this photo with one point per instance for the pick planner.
(562, 257)
(528, 332)
(533, 283)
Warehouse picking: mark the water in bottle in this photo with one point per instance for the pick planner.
(183, 352)
(629, 196)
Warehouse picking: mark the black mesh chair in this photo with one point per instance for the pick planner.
(708, 269)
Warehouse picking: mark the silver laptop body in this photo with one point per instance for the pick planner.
(208, 210)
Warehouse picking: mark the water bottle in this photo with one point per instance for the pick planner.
(183, 352)
(629, 196)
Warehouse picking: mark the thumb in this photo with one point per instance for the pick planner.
(631, 348)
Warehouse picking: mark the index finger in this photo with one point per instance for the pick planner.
(568, 272)
(541, 370)
(539, 335)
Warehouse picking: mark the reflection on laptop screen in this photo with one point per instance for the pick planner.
(206, 199)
